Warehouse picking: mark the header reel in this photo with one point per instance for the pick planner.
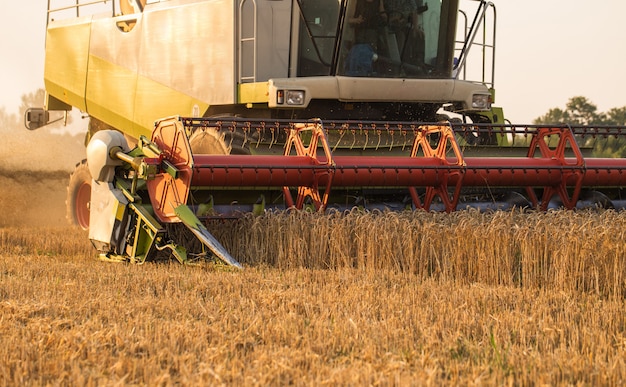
(138, 193)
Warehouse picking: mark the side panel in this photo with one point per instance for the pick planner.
(112, 76)
(172, 59)
(191, 49)
(65, 68)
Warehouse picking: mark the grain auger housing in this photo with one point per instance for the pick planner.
(206, 109)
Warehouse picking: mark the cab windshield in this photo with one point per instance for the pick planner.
(377, 38)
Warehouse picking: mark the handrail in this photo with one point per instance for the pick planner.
(78, 7)
(456, 65)
(480, 19)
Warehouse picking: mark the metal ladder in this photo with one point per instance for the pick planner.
(247, 42)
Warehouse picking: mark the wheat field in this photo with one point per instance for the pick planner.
(557, 250)
(70, 319)
(390, 299)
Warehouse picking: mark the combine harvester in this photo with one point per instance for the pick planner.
(204, 109)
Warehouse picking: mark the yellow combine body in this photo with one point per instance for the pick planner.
(216, 57)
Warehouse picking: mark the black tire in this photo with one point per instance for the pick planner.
(79, 196)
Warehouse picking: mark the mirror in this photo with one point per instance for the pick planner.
(35, 118)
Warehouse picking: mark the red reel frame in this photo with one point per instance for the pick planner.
(321, 176)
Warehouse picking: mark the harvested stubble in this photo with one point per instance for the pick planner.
(388, 299)
(69, 322)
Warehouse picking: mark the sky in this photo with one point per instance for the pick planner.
(547, 51)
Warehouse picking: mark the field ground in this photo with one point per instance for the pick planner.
(388, 299)
(70, 319)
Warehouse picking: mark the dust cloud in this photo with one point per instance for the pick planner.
(34, 171)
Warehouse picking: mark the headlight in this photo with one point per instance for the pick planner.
(481, 101)
(294, 97)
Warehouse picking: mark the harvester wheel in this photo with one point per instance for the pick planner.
(79, 196)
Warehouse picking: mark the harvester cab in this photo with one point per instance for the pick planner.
(203, 109)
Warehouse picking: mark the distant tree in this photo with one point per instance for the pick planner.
(553, 116)
(616, 116)
(580, 111)
(583, 112)
(7, 121)
(34, 99)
